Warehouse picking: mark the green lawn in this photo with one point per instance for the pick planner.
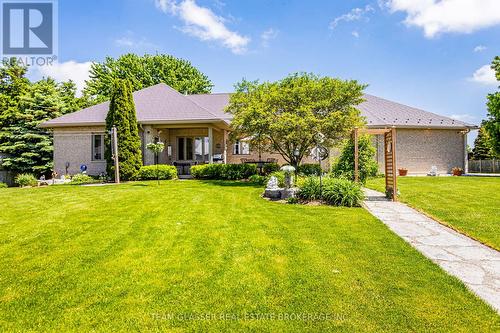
(468, 204)
(198, 256)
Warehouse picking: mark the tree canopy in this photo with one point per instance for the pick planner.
(492, 124)
(286, 116)
(121, 114)
(145, 71)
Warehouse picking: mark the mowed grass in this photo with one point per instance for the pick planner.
(470, 205)
(209, 256)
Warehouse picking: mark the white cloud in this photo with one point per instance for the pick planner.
(468, 118)
(355, 34)
(480, 48)
(131, 41)
(355, 14)
(203, 23)
(441, 16)
(484, 75)
(268, 35)
(78, 72)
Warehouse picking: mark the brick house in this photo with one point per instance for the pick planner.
(195, 130)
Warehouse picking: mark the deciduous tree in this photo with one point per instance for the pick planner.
(145, 71)
(290, 113)
(492, 124)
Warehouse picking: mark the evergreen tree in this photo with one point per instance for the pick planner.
(121, 114)
(28, 147)
(482, 145)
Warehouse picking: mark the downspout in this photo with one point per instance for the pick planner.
(466, 155)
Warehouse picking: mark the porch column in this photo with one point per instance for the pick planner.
(210, 145)
(149, 134)
(225, 146)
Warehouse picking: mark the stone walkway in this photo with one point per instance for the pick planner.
(477, 265)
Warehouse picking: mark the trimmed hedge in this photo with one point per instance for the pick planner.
(3, 185)
(223, 171)
(309, 169)
(335, 191)
(149, 172)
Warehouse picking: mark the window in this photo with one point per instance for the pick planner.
(97, 147)
(241, 148)
(201, 149)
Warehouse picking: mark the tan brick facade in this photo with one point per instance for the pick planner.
(73, 145)
(417, 149)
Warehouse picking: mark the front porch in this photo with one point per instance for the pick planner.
(186, 145)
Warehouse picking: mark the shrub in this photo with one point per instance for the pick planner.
(81, 178)
(335, 191)
(342, 192)
(309, 169)
(292, 200)
(149, 172)
(258, 180)
(309, 189)
(270, 168)
(344, 166)
(26, 179)
(223, 171)
(3, 185)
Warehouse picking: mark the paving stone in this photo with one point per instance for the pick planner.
(475, 264)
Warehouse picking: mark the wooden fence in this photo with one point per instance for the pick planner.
(484, 166)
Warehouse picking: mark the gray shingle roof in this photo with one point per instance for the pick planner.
(155, 104)
(162, 104)
(380, 112)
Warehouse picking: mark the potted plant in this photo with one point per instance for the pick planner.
(456, 171)
(403, 171)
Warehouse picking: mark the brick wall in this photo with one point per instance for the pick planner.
(74, 145)
(419, 149)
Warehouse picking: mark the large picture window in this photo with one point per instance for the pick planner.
(97, 147)
(241, 148)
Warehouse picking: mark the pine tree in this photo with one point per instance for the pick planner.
(121, 114)
(28, 148)
(482, 145)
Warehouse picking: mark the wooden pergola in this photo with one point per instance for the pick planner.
(389, 157)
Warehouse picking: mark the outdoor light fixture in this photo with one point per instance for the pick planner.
(169, 150)
(296, 152)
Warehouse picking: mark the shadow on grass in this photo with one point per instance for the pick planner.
(231, 183)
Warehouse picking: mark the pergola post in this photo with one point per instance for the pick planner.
(389, 156)
(394, 175)
(356, 156)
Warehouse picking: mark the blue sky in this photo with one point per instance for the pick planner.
(423, 53)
